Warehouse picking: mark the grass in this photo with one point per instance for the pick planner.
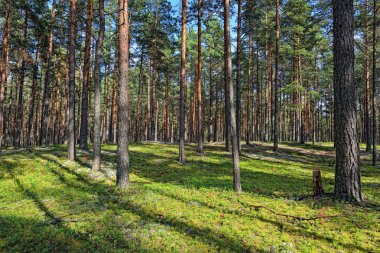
(48, 204)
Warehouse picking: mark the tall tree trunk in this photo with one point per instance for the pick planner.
(367, 125)
(216, 118)
(238, 76)
(97, 89)
(166, 111)
(33, 97)
(20, 100)
(347, 172)
(374, 90)
(57, 107)
(71, 99)
(248, 101)
(276, 80)
(199, 78)
(138, 116)
(156, 110)
(258, 96)
(113, 116)
(122, 173)
(228, 80)
(4, 70)
(147, 114)
(315, 100)
(86, 76)
(210, 119)
(182, 92)
(46, 97)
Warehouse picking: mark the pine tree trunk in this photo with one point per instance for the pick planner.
(347, 172)
(139, 100)
(113, 116)
(4, 70)
(147, 114)
(367, 124)
(97, 89)
(20, 100)
(46, 97)
(32, 98)
(315, 101)
(71, 99)
(199, 78)
(276, 80)
(182, 95)
(86, 76)
(374, 90)
(228, 80)
(122, 173)
(238, 76)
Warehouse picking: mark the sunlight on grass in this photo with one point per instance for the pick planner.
(49, 204)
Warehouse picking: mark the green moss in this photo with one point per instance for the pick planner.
(49, 204)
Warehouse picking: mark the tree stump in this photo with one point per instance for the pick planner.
(317, 182)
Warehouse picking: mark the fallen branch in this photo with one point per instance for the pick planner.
(257, 207)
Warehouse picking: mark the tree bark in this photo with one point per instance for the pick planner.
(147, 114)
(199, 78)
(71, 99)
(32, 97)
(97, 88)
(347, 172)
(86, 76)
(182, 95)
(20, 100)
(46, 97)
(122, 173)
(238, 76)
(276, 80)
(4, 70)
(138, 116)
(374, 92)
(228, 80)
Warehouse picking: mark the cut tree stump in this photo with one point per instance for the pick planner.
(317, 182)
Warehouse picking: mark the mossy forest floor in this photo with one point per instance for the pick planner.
(48, 204)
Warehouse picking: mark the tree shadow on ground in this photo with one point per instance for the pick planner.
(20, 234)
(205, 234)
(143, 166)
(203, 174)
(116, 203)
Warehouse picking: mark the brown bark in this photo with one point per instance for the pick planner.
(20, 100)
(33, 98)
(122, 173)
(182, 111)
(317, 183)
(57, 106)
(113, 116)
(374, 93)
(139, 100)
(347, 172)
(147, 114)
(276, 80)
(97, 89)
(71, 97)
(46, 97)
(86, 76)
(199, 78)
(238, 75)
(4, 70)
(230, 94)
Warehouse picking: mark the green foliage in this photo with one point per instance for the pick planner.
(51, 205)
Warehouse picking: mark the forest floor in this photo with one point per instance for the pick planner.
(48, 204)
